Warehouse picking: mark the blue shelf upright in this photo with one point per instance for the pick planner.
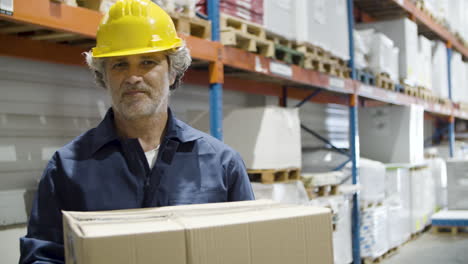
(216, 88)
(452, 118)
(354, 141)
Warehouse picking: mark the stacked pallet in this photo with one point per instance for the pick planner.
(245, 35)
(450, 221)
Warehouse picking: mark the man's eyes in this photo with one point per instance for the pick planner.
(120, 65)
(123, 64)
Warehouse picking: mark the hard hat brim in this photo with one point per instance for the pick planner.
(97, 54)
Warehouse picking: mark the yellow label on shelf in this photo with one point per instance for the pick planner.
(418, 225)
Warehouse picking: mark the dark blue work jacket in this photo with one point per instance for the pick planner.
(99, 171)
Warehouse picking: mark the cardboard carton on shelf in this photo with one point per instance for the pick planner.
(260, 232)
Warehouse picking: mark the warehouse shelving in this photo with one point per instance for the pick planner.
(233, 68)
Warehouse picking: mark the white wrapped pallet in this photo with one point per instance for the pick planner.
(342, 243)
(439, 70)
(397, 225)
(398, 200)
(321, 160)
(422, 198)
(425, 59)
(374, 232)
(323, 23)
(372, 181)
(401, 127)
(404, 34)
(288, 192)
(383, 56)
(438, 169)
(269, 137)
(457, 184)
(361, 47)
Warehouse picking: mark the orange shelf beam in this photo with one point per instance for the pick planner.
(250, 62)
(41, 50)
(55, 16)
(84, 22)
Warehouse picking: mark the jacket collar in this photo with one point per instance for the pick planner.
(177, 130)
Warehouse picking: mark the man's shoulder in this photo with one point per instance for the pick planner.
(215, 144)
(79, 146)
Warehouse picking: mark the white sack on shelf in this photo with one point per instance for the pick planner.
(400, 126)
(439, 70)
(266, 137)
(404, 34)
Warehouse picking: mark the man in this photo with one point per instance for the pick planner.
(140, 155)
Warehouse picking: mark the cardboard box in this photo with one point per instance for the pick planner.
(260, 232)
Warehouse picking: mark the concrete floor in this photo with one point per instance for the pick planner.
(433, 249)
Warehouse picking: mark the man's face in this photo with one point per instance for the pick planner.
(138, 84)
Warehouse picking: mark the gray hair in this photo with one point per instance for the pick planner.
(179, 60)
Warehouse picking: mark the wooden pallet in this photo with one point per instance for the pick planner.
(248, 42)
(444, 101)
(386, 255)
(365, 205)
(384, 81)
(280, 40)
(410, 90)
(365, 77)
(420, 5)
(192, 25)
(273, 176)
(322, 191)
(228, 23)
(288, 55)
(454, 230)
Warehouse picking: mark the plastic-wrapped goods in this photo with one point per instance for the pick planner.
(459, 80)
(383, 56)
(322, 160)
(266, 137)
(397, 225)
(398, 200)
(401, 127)
(422, 198)
(425, 59)
(323, 23)
(439, 70)
(288, 193)
(457, 184)
(404, 34)
(361, 47)
(322, 178)
(372, 180)
(341, 209)
(330, 121)
(438, 169)
(374, 232)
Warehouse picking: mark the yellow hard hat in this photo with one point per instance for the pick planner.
(134, 27)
